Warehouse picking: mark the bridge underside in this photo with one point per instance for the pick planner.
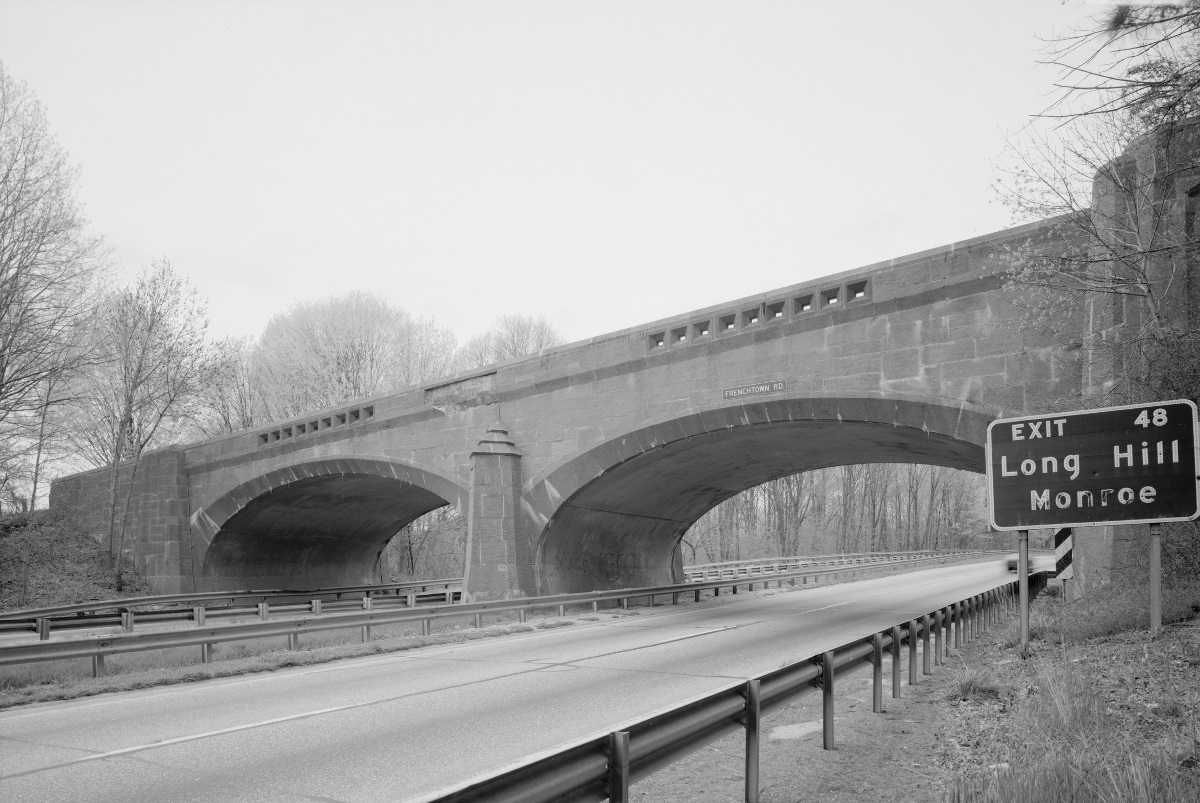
(319, 531)
(622, 529)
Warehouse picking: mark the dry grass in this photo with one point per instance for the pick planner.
(979, 684)
(47, 561)
(1098, 710)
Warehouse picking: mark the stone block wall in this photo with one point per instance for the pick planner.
(156, 530)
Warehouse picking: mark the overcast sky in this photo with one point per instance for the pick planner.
(604, 164)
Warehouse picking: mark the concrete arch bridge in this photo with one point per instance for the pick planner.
(581, 467)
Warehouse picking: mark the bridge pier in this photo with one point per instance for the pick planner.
(495, 562)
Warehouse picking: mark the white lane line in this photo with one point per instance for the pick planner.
(179, 740)
(685, 637)
(261, 724)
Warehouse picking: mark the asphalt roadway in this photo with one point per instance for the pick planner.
(398, 726)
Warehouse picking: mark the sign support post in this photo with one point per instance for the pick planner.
(1023, 584)
(1155, 580)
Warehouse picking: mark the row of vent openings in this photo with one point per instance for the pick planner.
(352, 416)
(767, 312)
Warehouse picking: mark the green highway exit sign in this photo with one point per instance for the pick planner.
(1133, 464)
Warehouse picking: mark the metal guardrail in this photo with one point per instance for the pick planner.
(240, 602)
(182, 607)
(205, 635)
(758, 566)
(603, 766)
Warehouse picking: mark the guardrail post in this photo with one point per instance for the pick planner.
(293, 641)
(912, 652)
(618, 767)
(97, 666)
(562, 611)
(674, 598)
(315, 607)
(368, 605)
(127, 621)
(424, 627)
(827, 698)
(753, 723)
(198, 615)
(956, 622)
(697, 595)
(926, 624)
(411, 600)
(521, 615)
(43, 629)
(263, 609)
(877, 673)
(624, 603)
(944, 625)
(478, 620)
(895, 662)
(595, 606)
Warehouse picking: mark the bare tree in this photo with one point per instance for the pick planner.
(1136, 60)
(1127, 126)
(49, 269)
(232, 401)
(156, 360)
(429, 547)
(1113, 166)
(788, 500)
(319, 354)
(853, 508)
(509, 337)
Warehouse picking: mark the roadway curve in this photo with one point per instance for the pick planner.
(393, 727)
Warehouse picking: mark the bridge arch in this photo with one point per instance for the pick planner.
(613, 515)
(315, 523)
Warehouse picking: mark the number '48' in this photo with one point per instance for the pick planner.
(1145, 418)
